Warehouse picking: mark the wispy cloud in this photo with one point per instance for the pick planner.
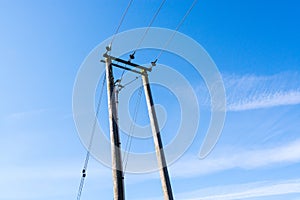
(244, 191)
(51, 180)
(279, 98)
(255, 92)
(191, 166)
(241, 191)
(25, 114)
(248, 92)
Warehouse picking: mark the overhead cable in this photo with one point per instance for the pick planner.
(150, 24)
(131, 129)
(177, 28)
(145, 33)
(121, 22)
(87, 157)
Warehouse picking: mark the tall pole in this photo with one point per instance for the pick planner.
(118, 179)
(163, 170)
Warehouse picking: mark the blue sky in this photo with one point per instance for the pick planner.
(255, 45)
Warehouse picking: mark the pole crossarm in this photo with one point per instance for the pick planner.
(127, 63)
(125, 68)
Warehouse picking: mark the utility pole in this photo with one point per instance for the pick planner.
(114, 131)
(117, 172)
(161, 160)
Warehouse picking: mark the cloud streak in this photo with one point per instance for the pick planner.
(241, 191)
(49, 180)
(267, 101)
(26, 114)
(250, 92)
(191, 167)
(244, 191)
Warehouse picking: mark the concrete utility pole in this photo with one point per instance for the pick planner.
(114, 132)
(161, 160)
(118, 179)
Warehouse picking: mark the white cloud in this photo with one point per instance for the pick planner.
(25, 114)
(248, 92)
(244, 191)
(255, 92)
(266, 101)
(241, 191)
(191, 167)
(49, 180)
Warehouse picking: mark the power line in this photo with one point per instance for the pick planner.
(150, 24)
(130, 82)
(131, 129)
(177, 28)
(145, 33)
(84, 170)
(121, 21)
(87, 157)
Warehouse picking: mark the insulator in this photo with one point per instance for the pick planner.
(108, 48)
(131, 56)
(153, 63)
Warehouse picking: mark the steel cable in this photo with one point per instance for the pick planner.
(131, 129)
(121, 21)
(177, 28)
(87, 157)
